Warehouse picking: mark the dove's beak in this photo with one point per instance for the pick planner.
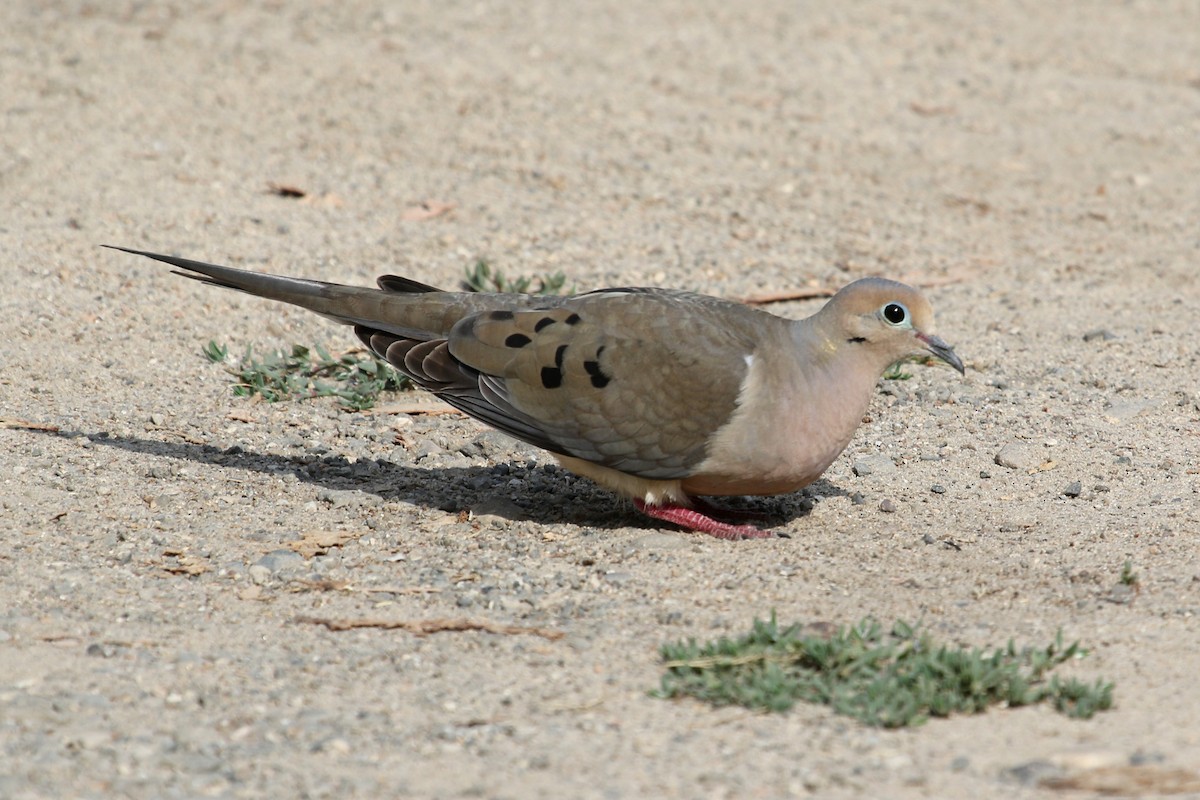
(941, 350)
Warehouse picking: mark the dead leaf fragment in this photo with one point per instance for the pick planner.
(923, 110)
(318, 543)
(426, 209)
(181, 562)
(286, 190)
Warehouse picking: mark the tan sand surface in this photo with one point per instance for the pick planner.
(1035, 165)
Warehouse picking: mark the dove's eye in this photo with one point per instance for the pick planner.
(894, 313)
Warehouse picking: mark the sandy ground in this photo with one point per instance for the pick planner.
(1034, 165)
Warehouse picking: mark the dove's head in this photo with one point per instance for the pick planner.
(886, 319)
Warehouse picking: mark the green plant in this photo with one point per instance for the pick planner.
(896, 372)
(482, 278)
(891, 680)
(1128, 576)
(214, 352)
(355, 377)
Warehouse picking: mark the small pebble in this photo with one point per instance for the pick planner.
(277, 560)
(937, 488)
(887, 507)
(1031, 773)
(1073, 489)
(1018, 455)
(873, 465)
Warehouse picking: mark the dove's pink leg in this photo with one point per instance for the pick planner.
(693, 520)
(714, 510)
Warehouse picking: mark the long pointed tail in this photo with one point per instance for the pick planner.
(403, 307)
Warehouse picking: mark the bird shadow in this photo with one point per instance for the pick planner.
(548, 495)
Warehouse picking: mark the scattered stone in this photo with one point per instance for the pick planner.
(1101, 334)
(887, 507)
(937, 488)
(1080, 760)
(1141, 757)
(1073, 489)
(1032, 773)
(104, 649)
(278, 560)
(1122, 410)
(1122, 594)
(873, 465)
(984, 474)
(259, 574)
(1019, 455)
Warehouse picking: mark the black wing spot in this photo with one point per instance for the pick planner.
(551, 377)
(544, 322)
(517, 340)
(599, 379)
(558, 356)
(500, 315)
(573, 319)
(857, 339)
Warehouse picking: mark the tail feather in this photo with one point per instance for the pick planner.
(401, 306)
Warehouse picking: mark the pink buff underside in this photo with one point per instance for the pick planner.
(693, 520)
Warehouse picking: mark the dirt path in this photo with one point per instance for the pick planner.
(1034, 165)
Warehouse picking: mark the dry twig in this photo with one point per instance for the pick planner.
(428, 626)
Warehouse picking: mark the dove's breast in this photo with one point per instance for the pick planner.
(792, 421)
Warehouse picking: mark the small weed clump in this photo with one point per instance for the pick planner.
(896, 372)
(889, 680)
(482, 278)
(356, 377)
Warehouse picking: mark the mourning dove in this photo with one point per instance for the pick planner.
(657, 394)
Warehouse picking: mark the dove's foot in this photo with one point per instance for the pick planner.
(694, 520)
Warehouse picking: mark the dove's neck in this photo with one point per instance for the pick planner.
(834, 377)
